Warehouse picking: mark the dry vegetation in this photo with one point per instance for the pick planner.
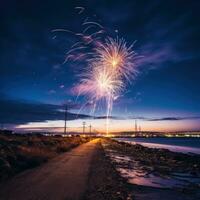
(20, 152)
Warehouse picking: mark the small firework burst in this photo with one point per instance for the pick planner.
(99, 83)
(117, 57)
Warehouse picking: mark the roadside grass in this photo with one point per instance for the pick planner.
(21, 152)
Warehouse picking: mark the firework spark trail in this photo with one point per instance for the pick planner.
(81, 9)
(99, 84)
(109, 68)
(110, 63)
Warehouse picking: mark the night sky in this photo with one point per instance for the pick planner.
(34, 82)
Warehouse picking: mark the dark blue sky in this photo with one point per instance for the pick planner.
(34, 83)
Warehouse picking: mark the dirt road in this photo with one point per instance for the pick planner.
(62, 178)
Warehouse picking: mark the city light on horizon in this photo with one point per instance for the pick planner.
(115, 126)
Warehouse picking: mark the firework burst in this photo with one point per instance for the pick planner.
(109, 64)
(117, 57)
(99, 83)
(112, 63)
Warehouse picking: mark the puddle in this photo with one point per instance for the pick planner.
(150, 180)
(136, 174)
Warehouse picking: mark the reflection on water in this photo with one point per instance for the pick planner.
(151, 180)
(136, 174)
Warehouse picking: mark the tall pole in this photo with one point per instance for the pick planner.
(135, 125)
(84, 123)
(90, 129)
(65, 127)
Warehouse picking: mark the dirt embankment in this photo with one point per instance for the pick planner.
(21, 152)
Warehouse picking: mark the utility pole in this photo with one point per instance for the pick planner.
(135, 125)
(84, 123)
(90, 129)
(65, 127)
(140, 129)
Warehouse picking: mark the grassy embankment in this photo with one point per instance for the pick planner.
(21, 152)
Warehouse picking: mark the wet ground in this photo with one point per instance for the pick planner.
(146, 181)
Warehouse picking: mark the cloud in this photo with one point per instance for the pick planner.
(149, 119)
(22, 112)
(173, 118)
(165, 118)
(17, 112)
(109, 117)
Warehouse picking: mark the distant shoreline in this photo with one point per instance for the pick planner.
(182, 145)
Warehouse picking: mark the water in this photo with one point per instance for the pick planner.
(134, 172)
(184, 145)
